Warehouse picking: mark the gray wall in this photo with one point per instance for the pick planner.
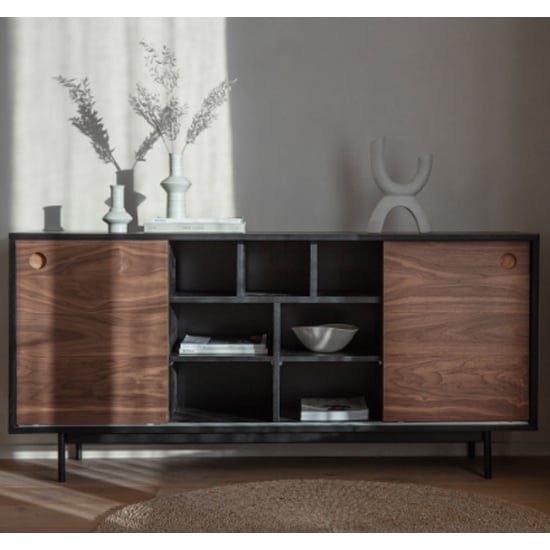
(5, 203)
(312, 95)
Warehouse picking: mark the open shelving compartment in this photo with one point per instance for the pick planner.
(277, 268)
(239, 288)
(224, 391)
(203, 268)
(330, 380)
(365, 345)
(221, 388)
(349, 268)
(355, 371)
(222, 320)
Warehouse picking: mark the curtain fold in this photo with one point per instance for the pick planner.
(53, 163)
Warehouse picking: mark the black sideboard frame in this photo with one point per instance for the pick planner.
(173, 433)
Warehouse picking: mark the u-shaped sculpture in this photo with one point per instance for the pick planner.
(397, 194)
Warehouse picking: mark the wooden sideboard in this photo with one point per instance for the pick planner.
(446, 348)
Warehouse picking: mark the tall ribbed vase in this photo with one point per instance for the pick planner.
(175, 185)
(117, 218)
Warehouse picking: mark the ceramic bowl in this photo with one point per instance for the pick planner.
(325, 338)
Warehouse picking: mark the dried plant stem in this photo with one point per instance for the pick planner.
(166, 118)
(88, 120)
(145, 147)
(91, 125)
(207, 113)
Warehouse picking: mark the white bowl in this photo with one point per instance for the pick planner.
(325, 338)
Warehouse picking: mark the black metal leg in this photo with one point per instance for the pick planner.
(60, 457)
(78, 451)
(471, 449)
(487, 455)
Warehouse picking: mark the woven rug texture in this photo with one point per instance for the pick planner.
(318, 505)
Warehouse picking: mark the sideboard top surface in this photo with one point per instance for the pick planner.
(279, 236)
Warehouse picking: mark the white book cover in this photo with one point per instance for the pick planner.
(205, 345)
(198, 220)
(183, 227)
(334, 409)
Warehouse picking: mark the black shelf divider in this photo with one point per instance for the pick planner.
(276, 362)
(241, 269)
(194, 415)
(312, 357)
(313, 269)
(256, 297)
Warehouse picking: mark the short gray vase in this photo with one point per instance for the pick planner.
(117, 218)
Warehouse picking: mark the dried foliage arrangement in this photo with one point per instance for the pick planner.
(163, 115)
(88, 121)
(166, 117)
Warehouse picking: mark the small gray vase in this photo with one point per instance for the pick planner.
(117, 218)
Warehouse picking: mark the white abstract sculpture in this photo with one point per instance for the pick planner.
(397, 194)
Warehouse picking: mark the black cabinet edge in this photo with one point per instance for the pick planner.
(305, 236)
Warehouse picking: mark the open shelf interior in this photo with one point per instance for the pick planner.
(366, 342)
(222, 392)
(287, 268)
(221, 320)
(242, 288)
(348, 268)
(278, 267)
(204, 268)
(299, 380)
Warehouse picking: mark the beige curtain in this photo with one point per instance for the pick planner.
(53, 162)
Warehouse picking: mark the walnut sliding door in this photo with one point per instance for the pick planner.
(91, 332)
(456, 331)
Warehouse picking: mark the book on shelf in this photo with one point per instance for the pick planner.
(195, 225)
(160, 219)
(334, 409)
(211, 345)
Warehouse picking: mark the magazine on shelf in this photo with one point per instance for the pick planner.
(195, 225)
(211, 345)
(334, 409)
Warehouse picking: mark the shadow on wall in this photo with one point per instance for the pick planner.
(6, 174)
(351, 190)
(7, 221)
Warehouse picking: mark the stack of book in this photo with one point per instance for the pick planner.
(195, 225)
(209, 345)
(334, 409)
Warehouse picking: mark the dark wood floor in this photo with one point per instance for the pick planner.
(32, 501)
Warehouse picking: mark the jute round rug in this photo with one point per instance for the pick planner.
(318, 505)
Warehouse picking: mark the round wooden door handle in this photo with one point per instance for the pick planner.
(508, 261)
(37, 260)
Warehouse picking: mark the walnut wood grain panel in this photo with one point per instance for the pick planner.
(92, 332)
(456, 331)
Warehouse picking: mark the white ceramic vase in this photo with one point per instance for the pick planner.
(175, 185)
(117, 218)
